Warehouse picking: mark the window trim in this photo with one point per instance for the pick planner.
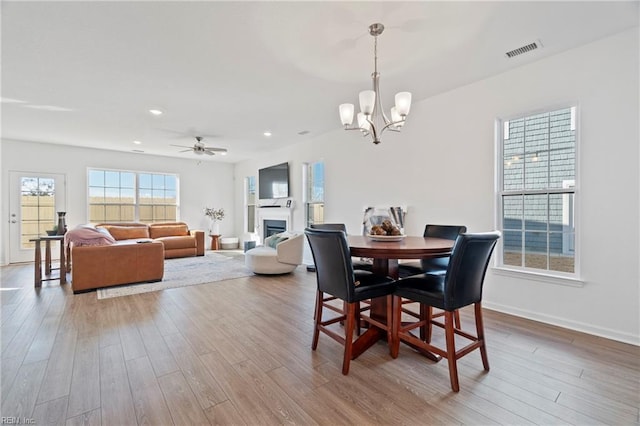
(247, 204)
(136, 190)
(556, 277)
(306, 171)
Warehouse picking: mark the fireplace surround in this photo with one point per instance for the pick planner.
(272, 220)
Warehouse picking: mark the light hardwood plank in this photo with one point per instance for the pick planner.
(148, 400)
(84, 395)
(91, 418)
(282, 406)
(204, 386)
(9, 368)
(108, 323)
(224, 413)
(239, 390)
(116, 401)
(183, 404)
(42, 344)
(20, 399)
(57, 379)
(157, 350)
(53, 412)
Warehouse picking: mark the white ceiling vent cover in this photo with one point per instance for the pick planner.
(524, 49)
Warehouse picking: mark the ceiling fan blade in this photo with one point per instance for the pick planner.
(181, 146)
(186, 150)
(209, 152)
(211, 148)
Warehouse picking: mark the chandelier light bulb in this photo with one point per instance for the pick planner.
(346, 114)
(403, 103)
(367, 101)
(396, 118)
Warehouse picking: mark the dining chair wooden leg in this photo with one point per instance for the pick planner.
(428, 323)
(396, 324)
(451, 350)
(317, 319)
(480, 331)
(348, 336)
(456, 317)
(358, 324)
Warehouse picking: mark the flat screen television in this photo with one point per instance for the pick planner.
(273, 182)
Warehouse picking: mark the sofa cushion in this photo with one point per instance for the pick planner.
(126, 232)
(168, 230)
(177, 242)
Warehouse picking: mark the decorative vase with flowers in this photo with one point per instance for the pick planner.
(214, 215)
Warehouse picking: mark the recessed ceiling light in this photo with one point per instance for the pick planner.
(155, 111)
(223, 153)
(267, 133)
(137, 142)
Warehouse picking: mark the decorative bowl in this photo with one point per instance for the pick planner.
(386, 237)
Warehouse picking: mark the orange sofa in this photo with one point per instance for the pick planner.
(176, 237)
(130, 253)
(125, 262)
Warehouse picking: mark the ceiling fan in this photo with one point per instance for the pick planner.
(199, 148)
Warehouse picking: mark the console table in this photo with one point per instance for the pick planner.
(38, 277)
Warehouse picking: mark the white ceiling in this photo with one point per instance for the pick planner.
(86, 73)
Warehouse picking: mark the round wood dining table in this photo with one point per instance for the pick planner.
(385, 255)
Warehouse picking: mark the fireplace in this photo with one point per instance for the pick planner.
(272, 221)
(273, 227)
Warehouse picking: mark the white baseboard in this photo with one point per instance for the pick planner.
(565, 323)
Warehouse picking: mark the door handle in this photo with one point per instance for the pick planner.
(13, 221)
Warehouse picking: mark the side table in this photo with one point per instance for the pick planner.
(215, 242)
(47, 260)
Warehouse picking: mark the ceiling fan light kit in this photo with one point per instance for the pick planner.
(371, 119)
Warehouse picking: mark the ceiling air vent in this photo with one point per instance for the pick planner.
(524, 49)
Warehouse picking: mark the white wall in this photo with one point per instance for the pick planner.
(205, 184)
(442, 167)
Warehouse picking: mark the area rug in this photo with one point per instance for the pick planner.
(186, 271)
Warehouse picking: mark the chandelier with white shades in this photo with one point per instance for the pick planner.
(371, 119)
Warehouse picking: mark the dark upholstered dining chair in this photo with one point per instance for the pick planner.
(460, 286)
(437, 265)
(434, 265)
(357, 264)
(336, 277)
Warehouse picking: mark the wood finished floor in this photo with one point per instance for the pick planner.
(238, 352)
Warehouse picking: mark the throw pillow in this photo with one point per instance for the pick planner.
(88, 236)
(273, 242)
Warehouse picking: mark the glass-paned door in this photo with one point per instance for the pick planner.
(35, 199)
